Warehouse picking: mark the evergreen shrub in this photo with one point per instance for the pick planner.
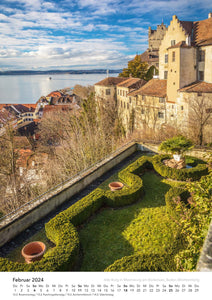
(62, 232)
(142, 262)
(133, 189)
(185, 174)
(59, 258)
(172, 198)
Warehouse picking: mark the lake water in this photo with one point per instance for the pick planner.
(29, 88)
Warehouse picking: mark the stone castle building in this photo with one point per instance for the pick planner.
(181, 96)
(155, 36)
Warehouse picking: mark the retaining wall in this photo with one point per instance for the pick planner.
(14, 223)
(201, 153)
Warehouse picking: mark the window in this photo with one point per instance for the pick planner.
(107, 92)
(142, 111)
(127, 105)
(124, 105)
(120, 92)
(160, 115)
(182, 108)
(172, 42)
(201, 75)
(130, 100)
(161, 100)
(199, 94)
(201, 55)
(165, 74)
(166, 58)
(173, 56)
(143, 97)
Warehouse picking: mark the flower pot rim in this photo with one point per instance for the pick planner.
(36, 255)
(115, 185)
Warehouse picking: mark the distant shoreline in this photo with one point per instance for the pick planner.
(52, 72)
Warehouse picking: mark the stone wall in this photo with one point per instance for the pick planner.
(205, 260)
(14, 223)
(207, 65)
(156, 36)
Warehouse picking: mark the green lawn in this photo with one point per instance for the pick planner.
(115, 233)
(16, 256)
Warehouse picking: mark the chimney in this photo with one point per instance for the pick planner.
(210, 15)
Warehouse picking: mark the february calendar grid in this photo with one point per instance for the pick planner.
(93, 285)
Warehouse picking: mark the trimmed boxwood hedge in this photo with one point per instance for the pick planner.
(59, 258)
(142, 262)
(62, 228)
(172, 197)
(191, 174)
(133, 189)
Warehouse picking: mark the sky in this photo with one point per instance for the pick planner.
(84, 34)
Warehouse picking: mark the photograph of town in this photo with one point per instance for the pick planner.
(105, 136)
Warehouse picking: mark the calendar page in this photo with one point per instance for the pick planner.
(93, 285)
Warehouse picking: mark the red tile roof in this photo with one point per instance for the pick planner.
(5, 116)
(197, 87)
(203, 32)
(200, 30)
(24, 155)
(187, 26)
(154, 87)
(110, 81)
(31, 105)
(132, 83)
(181, 44)
(55, 94)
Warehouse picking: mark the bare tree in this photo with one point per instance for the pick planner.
(79, 139)
(83, 91)
(200, 116)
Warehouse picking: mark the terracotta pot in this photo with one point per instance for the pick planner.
(33, 251)
(114, 186)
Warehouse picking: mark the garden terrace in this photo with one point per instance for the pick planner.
(127, 230)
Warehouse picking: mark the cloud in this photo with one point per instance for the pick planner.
(38, 33)
(29, 4)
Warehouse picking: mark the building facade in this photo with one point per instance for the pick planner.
(181, 96)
